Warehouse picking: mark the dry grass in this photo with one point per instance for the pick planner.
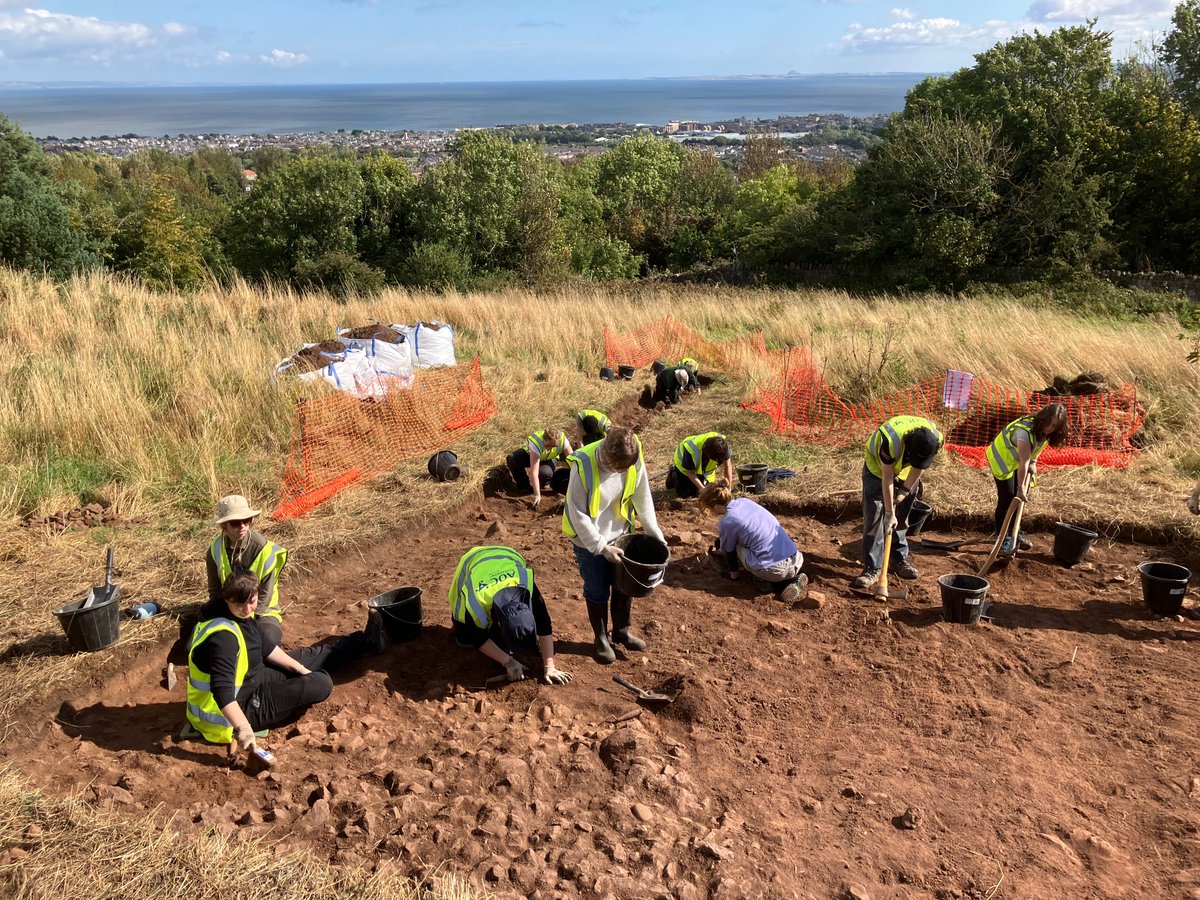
(66, 848)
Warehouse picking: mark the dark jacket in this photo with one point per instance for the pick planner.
(218, 654)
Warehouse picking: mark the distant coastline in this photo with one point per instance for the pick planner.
(155, 110)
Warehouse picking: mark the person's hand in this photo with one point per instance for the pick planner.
(889, 520)
(612, 553)
(1194, 504)
(515, 669)
(555, 675)
(536, 501)
(303, 670)
(1022, 495)
(244, 735)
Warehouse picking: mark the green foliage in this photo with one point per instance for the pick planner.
(1181, 52)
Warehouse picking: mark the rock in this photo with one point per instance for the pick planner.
(711, 847)
(777, 629)
(498, 531)
(856, 892)
(814, 600)
(33, 831)
(514, 773)
(811, 804)
(910, 818)
(618, 750)
(250, 817)
(851, 792)
(319, 814)
(117, 794)
(643, 812)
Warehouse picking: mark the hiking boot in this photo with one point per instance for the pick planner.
(796, 590)
(598, 616)
(908, 572)
(866, 580)
(1008, 547)
(1023, 543)
(374, 640)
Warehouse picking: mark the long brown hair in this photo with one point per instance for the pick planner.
(1052, 425)
(714, 495)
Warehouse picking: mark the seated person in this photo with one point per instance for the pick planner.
(240, 682)
(591, 425)
(668, 384)
(533, 465)
(696, 460)
(240, 547)
(495, 608)
(749, 537)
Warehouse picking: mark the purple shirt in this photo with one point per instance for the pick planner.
(748, 524)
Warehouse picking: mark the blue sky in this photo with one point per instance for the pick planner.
(323, 41)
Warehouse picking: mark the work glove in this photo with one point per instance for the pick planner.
(555, 675)
(889, 520)
(515, 669)
(1194, 504)
(245, 737)
(612, 553)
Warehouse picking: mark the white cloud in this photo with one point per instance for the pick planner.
(903, 13)
(924, 33)
(52, 37)
(1060, 11)
(283, 59)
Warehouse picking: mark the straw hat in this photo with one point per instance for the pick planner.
(233, 507)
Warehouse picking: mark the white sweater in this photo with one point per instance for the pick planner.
(593, 535)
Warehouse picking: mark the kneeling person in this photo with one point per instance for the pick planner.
(696, 461)
(750, 537)
(240, 681)
(494, 601)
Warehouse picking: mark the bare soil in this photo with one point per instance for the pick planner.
(850, 749)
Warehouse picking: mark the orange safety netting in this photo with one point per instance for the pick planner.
(803, 407)
(341, 438)
(671, 341)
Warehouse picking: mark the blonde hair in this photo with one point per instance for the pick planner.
(554, 437)
(715, 494)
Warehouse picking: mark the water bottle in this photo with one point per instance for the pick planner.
(144, 610)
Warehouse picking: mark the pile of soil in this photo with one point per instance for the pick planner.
(310, 359)
(93, 515)
(378, 331)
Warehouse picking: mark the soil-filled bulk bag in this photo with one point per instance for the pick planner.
(432, 344)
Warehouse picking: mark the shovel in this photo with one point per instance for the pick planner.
(107, 591)
(646, 698)
(1016, 508)
(949, 546)
(881, 591)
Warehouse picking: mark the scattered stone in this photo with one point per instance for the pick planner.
(814, 600)
(856, 892)
(498, 531)
(777, 629)
(711, 847)
(319, 814)
(643, 812)
(250, 817)
(910, 818)
(851, 792)
(618, 750)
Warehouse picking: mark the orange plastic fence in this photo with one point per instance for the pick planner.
(340, 438)
(803, 407)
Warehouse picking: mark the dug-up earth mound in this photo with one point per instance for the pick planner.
(842, 748)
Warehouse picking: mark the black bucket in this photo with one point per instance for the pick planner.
(626, 372)
(657, 366)
(1071, 543)
(962, 597)
(402, 615)
(644, 565)
(93, 627)
(443, 465)
(1163, 586)
(606, 374)
(918, 514)
(753, 477)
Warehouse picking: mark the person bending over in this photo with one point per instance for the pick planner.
(696, 460)
(751, 538)
(1014, 454)
(533, 465)
(668, 384)
(591, 425)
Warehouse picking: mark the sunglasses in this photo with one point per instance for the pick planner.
(237, 523)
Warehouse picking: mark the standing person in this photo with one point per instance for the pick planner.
(696, 460)
(897, 454)
(240, 681)
(1013, 455)
(591, 425)
(608, 493)
(494, 602)
(239, 547)
(749, 537)
(549, 445)
(668, 384)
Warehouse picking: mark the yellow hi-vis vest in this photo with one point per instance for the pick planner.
(693, 448)
(895, 430)
(272, 557)
(538, 439)
(1002, 454)
(690, 363)
(603, 422)
(587, 464)
(482, 573)
(202, 709)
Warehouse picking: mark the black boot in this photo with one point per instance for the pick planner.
(598, 616)
(622, 607)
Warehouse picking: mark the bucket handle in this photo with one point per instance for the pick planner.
(634, 578)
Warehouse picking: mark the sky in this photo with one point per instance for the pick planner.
(400, 41)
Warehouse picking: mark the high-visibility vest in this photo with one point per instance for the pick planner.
(586, 462)
(690, 363)
(603, 422)
(693, 448)
(202, 710)
(272, 558)
(895, 430)
(1002, 454)
(538, 439)
(481, 574)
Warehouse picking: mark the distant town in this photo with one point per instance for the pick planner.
(812, 136)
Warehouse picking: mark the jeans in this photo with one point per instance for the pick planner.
(599, 579)
(280, 696)
(872, 494)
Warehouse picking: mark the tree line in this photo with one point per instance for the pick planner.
(1044, 156)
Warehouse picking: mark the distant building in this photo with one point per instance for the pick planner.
(249, 176)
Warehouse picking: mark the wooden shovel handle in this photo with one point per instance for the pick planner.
(633, 687)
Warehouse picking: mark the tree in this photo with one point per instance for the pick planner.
(1181, 52)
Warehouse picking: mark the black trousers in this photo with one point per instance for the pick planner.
(1006, 493)
(518, 464)
(281, 696)
(684, 489)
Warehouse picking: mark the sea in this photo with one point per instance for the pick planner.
(69, 111)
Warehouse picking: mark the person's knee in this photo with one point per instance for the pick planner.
(318, 687)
